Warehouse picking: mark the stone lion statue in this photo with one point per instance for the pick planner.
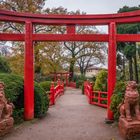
(6, 108)
(130, 106)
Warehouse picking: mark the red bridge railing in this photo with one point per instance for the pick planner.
(56, 91)
(98, 98)
(72, 84)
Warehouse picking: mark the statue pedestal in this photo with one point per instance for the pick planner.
(129, 130)
(6, 125)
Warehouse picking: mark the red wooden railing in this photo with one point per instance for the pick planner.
(98, 98)
(72, 84)
(56, 91)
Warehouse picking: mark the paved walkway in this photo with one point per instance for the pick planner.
(72, 118)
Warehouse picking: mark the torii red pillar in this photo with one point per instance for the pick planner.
(111, 65)
(29, 74)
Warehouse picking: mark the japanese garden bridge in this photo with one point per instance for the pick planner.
(70, 21)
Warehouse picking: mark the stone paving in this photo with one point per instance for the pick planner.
(72, 118)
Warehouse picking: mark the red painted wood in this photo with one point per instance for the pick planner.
(88, 91)
(68, 20)
(71, 37)
(56, 91)
(71, 84)
(111, 65)
(52, 94)
(101, 19)
(28, 74)
(71, 29)
(12, 37)
(128, 37)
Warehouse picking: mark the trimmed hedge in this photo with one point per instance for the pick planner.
(117, 98)
(41, 101)
(4, 67)
(45, 85)
(101, 81)
(14, 91)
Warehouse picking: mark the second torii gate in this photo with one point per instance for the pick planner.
(61, 74)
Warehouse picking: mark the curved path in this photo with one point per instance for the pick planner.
(72, 118)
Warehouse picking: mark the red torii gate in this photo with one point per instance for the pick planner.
(70, 21)
(56, 75)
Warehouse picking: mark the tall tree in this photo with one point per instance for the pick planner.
(29, 6)
(92, 54)
(129, 49)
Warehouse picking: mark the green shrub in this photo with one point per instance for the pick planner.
(75, 78)
(101, 81)
(80, 81)
(14, 91)
(77, 84)
(117, 98)
(83, 89)
(45, 85)
(40, 77)
(13, 85)
(4, 66)
(41, 101)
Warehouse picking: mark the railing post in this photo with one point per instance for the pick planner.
(52, 91)
(59, 86)
(84, 87)
(90, 93)
(99, 97)
(58, 82)
(62, 87)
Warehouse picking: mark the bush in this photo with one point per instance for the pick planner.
(75, 78)
(80, 81)
(117, 98)
(45, 85)
(77, 84)
(14, 91)
(41, 101)
(83, 89)
(40, 78)
(4, 67)
(13, 85)
(101, 81)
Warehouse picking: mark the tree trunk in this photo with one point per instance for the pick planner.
(71, 70)
(123, 61)
(81, 70)
(130, 69)
(136, 69)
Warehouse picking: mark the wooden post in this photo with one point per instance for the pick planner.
(71, 29)
(90, 92)
(52, 91)
(111, 66)
(66, 80)
(29, 74)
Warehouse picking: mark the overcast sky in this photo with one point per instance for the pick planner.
(92, 6)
